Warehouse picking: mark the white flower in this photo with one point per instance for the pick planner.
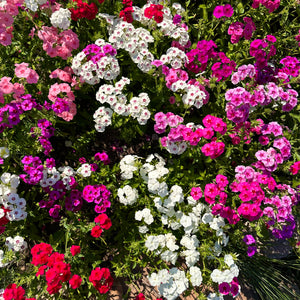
(61, 18)
(169, 256)
(207, 218)
(127, 195)
(196, 276)
(228, 259)
(216, 276)
(152, 242)
(143, 229)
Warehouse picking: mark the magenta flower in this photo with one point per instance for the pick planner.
(224, 288)
(249, 239)
(218, 12)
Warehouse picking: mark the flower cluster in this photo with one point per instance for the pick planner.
(84, 10)
(221, 11)
(96, 61)
(22, 71)
(53, 266)
(237, 30)
(101, 280)
(98, 194)
(113, 95)
(7, 87)
(156, 11)
(14, 292)
(58, 44)
(104, 223)
(16, 244)
(61, 18)
(271, 5)
(126, 12)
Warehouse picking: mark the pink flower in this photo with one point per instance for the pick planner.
(218, 12)
(196, 193)
(227, 10)
(224, 288)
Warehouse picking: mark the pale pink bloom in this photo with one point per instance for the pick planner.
(6, 87)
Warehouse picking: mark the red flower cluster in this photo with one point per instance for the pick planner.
(84, 10)
(104, 223)
(55, 268)
(14, 292)
(101, 279)
(155, 10)
(126, 12)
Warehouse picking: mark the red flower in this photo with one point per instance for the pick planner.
(104, 221)
(75, 281)
(75, 250)
(140, 296)
(101, 279)
(96, 231)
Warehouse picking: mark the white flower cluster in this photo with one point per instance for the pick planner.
(226, 275)
(118, 103)
(4, 152)
(167, 27)
(16, 244)
(127, 195)
(152, 172)
(145, 215)
(50, 177)
(61, 18)
(196, 276)
(135, 41)
(84, 170)
(193, 95)
(171, 283)
(128, 165)
(106, 67)
(102, 117)
(33, 5)
(175, 57)
(14, 205)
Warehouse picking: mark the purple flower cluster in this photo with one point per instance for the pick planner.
(291, 66)
(95, 52)
(45, 131)
(98, 194)
(11, 112)
(271, 5)
(237, 30)
(249, 240)
(33, 168)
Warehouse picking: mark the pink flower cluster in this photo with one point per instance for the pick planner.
(104, 223)
(223, 11)
(63, 99)
(173, 75)
(7, 11)
(199, 58)
(240, 100)
(163, 120)
(6, 87)
(22, 71)
(58, 44)
(237, 30)
(98, 194)
(291, 67)
(33, 168)
(65, 75)
(263, 50)
(295, 168)
(271, 5)
(249, 240)
(243, 72)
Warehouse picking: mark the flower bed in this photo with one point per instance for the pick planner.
(154, 135)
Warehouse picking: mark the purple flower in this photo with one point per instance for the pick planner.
(251, 251)
(249, 239)
(177, 19)
(224, 288)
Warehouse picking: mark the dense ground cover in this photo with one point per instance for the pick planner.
(149, 134)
